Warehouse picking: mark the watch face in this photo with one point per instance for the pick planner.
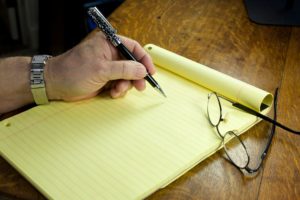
(39, 59)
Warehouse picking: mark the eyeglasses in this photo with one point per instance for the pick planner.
(234, 147)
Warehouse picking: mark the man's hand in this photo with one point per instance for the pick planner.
(94, 65)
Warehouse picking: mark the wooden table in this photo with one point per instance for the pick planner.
(219, 35)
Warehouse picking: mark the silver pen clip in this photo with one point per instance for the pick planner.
(104, 25)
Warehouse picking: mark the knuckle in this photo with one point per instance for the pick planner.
(104, 71)
(125, 72)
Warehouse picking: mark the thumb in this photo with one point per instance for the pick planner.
(128, 70)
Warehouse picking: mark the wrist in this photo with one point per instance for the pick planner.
(14, 83)
(50, 80)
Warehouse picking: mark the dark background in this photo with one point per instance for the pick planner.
(46, 26)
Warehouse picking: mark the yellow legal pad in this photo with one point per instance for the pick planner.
(126, 148)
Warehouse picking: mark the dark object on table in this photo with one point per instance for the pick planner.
(274, 12)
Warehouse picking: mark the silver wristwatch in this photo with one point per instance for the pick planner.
(37, 82)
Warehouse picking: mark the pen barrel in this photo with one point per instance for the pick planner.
(125, 52)
(151, 80)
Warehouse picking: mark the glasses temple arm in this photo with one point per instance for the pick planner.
(265, 152)
(250, 111)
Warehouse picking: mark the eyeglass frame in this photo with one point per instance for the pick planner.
(266, 149)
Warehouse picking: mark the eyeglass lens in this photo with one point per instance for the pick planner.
(233, 146)
(214, 109)
(235, 150)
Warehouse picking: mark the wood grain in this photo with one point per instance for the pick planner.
(282, 171)
(219, 35)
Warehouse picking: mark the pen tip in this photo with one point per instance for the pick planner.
(163, 94)
(161, 91)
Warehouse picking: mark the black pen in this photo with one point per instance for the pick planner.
(110, 34)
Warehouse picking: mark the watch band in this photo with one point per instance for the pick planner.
(37, 82)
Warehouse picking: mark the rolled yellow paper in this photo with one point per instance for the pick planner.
(216, 81)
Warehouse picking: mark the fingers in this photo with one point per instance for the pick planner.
(128, 70)
(121, 87)
(139, 84)
(140, 54)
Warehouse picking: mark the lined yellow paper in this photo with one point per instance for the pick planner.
(115, 148)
